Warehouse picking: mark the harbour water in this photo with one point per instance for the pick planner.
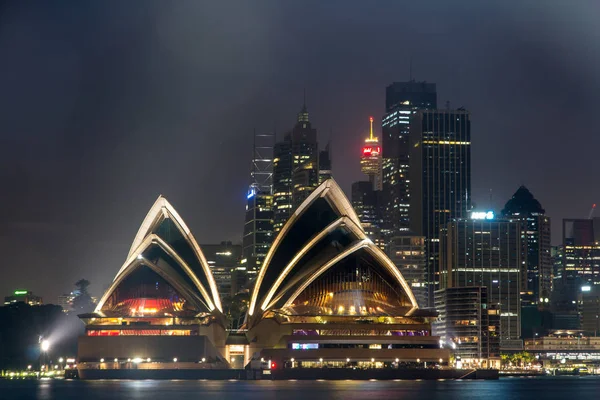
(546, 388)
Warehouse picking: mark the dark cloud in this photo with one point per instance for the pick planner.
(106, 105)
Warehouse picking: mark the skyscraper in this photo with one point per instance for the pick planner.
(581, 246)
(325, 164)
(258, 225)
(536, 257)
(407, 252)
(295, 168)
(370, 160)
(402, 100)
(440, 178)
(486, 252)
(222, 259)
(367, 203)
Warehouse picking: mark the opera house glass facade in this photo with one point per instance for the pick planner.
(325, 296)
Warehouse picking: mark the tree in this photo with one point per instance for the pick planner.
(235, 308)
(83, 301)
(82, 285)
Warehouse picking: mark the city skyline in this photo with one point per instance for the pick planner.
(76, 196)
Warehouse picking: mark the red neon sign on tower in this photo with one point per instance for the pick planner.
(369, 151)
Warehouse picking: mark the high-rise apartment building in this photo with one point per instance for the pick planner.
(469, 323)
(402, 100)
(536, 255)
(486, 253)
(440, 178)
(367, 203)
(295, 169)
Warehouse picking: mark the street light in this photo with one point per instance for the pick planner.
(175, 359)
(61, 360)
(44, 347)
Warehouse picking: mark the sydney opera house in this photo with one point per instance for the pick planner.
(325, 297)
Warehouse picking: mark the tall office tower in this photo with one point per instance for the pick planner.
(486, 252)
(402, 100)
(370, 160)
(581, 245)
(440, 178)
(325, 164)
(469, 323)
(222, 259)
(557, 264)
(295, 169)
(536, 257)
(258, 225)
(367, 204)
(407, 252)
(590, 309)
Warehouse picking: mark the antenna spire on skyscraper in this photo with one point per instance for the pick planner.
(303, 114)
(304, 101)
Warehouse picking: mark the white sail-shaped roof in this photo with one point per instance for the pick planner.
(322, 233)
(164, 229)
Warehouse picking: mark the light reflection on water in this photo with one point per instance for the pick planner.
(547, 388)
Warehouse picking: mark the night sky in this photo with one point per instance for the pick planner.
(105, 105)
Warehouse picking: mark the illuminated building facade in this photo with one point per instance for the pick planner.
(327, 296)
(258, 222)
(367, 204)
(536, 257)
(581, 247)
(407, 252)
(566, 349)
(440, 178)
(162, 310)
(486, 253)
(402, 101)
(370, 160)
(223, 259)
(295, 169)
(470, 324)
(579, 267)
(23, 296)
(258, 232)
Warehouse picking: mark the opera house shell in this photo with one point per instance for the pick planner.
(325, 296)
(162, 308)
